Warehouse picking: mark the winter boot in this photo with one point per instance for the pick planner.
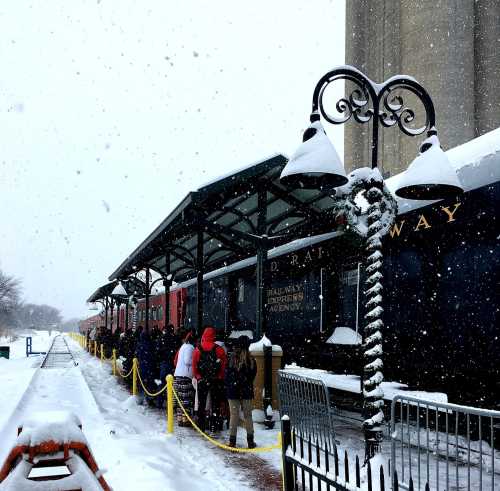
(232, 441)
(251, 442)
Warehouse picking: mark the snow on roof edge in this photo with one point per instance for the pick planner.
(240, 169)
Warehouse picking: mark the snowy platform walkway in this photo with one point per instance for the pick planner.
(132, 444)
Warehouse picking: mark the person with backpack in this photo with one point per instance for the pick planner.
(209, 365)
(240, 374)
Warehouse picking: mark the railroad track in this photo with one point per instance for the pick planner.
(59, 355)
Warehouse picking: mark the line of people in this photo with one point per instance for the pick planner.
(213, 381)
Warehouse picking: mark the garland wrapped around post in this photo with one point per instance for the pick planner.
(372, 393)
(371, 222)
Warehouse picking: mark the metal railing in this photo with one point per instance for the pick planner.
(448, 446)
(306, 402)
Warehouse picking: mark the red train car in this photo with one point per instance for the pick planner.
(137, 316)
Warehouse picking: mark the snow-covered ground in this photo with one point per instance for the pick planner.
(128, 441)
(148, 458)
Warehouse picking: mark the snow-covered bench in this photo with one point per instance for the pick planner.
(51, 447)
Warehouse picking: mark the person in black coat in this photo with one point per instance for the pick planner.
(145, 354)
(240, 374)
(126, 349)
(167, 344)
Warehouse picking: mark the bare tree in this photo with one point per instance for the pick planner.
(10, 293)
(41, 317)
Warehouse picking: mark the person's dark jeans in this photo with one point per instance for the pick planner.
(216, 390)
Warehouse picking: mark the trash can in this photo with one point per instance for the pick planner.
(4, 352)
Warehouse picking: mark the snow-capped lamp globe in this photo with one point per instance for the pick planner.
(430, 176)
(315, 164)
(119, 291)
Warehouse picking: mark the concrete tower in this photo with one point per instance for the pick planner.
(452, 47)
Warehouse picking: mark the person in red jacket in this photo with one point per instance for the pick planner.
(209, 365)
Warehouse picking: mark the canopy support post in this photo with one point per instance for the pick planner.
(167, 282)
(146, 321)
(199, 282)
(260, 302)
(106, 304)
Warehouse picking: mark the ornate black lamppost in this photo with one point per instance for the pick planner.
(316, 164)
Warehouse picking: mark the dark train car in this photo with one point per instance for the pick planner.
(308, 295)
(442, 278)
(441, 284)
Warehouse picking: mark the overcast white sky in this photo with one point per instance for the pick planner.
(111, 111)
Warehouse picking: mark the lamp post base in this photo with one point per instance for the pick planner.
(373, 442)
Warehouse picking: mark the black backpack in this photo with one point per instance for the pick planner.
(209, 364)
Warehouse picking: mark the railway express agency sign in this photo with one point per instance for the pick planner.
(289, 298)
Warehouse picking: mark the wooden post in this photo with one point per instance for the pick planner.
(114, 361)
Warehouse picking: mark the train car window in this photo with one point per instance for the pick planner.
(241, 290)
(349, 291)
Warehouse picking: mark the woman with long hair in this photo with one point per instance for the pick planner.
(240, 374)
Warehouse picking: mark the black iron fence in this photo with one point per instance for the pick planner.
(308, 466)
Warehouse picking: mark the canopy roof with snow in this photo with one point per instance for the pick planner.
(227, 219)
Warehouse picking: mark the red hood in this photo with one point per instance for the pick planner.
(208, 338)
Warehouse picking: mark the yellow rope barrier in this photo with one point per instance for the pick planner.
(170, 419)
(150, 394)
(120, 373)
(222, 445)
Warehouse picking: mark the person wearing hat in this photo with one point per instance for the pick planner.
(240, 374)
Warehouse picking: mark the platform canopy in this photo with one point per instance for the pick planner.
(227, 220)
(132, 286)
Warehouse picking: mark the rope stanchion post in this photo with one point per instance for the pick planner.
(134, 376)
(95, 348)
(170, 403)
(114, 361)
(102, 352)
